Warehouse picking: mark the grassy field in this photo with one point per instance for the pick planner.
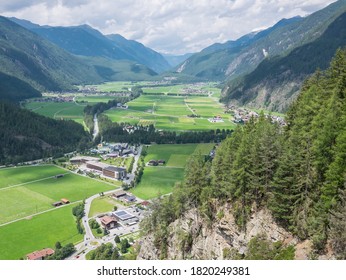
(116, 86)
(19, 175)
(56, 110)
(183, 89)
(171, 112)
(36, 196)
(159, 180)
(101, 205)
(42, 231)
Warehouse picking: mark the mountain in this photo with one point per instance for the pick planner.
(119, 70)
(270, 192)
(275, 83)
(26, 136)
(86, 41)
(233, 59)
(213, 61)
(30, 64)
(175, 60)
(141, 53)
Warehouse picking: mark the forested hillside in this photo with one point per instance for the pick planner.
(39, 64)
(237, 58)
(277, 80)
(27, 136)
(298, 173)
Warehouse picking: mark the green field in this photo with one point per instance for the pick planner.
(19, 175)
(57, 110)
(116, 86)
(34, 196)
(159, 180)
(171, 112)
(183, 89)
(41, 231)
(102, 204)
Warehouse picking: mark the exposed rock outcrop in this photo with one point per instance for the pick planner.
(191, 238)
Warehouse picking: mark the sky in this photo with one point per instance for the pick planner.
(171, 26)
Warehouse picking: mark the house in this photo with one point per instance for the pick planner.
(40, 255)
(114, 172)
(65, 201)
(153, 162)
(119, 194)
(58, 203)
(145, 203)
(130, 198)
(108, 222)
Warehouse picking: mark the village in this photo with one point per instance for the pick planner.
(243, 115)
(128, 210)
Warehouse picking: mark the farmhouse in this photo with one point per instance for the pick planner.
(108, 222)
(153, 162)
(40, 255)
(114, 172)
(119, 194)
(65, 201)
(130, 198)
(145, 204)
(58, 203)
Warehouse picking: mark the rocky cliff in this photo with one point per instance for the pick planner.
(191, 238)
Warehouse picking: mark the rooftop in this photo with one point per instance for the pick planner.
(40, 254)
(114, 168)
(107, 220)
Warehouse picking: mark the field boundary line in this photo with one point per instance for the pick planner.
(38, 180)
(36, 214)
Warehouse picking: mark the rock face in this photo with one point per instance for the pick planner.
(211, 242)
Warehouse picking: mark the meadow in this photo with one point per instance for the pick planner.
(171, 113)
(37, 190)
(41, 231)
(57, 110)
(160, 180)
(102, 204)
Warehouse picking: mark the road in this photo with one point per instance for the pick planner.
(131, 176)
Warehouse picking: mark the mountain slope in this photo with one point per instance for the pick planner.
(175, 60)
(269, 191)
(26, 136)
(213, 61)
(277, 80)
(86, 41)
(38, 63)
(141, 53)
(239, 59)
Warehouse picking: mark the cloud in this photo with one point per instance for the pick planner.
(177, 26)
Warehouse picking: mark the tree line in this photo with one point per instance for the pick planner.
(26, 136)
(298, 172)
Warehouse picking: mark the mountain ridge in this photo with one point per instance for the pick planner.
(87, 41)
(276, 81)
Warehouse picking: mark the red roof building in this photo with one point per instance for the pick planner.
(40, 255)
(108, 222)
